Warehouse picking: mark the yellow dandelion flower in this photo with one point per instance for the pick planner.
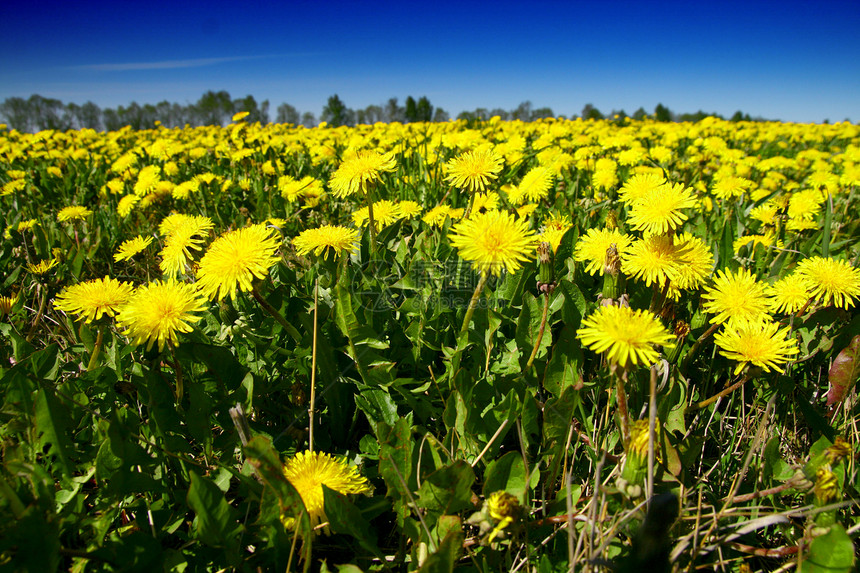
(654, 259)
(13, 186)
(73, 213)
(321, 239)
(695, 261)
(158, 311)
(88, 301)
(737, 298)
(474, 169)
(131, 247)
(640, 185)
(7, 303)
(591, 248)
(830, 281)
(789, 294)
(485, 202)
(385, 213)
(730, 187)
(535, 184)
(42, 267)
(826, 488)
(356, 173)
(554, 229)
(234, 259)
(186, 235)
(309, 471)
(766, 212)
(126, 205)
(627, 336)
(660, 210)
(409, 209)
(493, 241)
(505, 509)
(438, 215)
(761, 344)
(27, 225)
(240, 116)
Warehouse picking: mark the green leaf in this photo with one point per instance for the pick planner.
(445, 557)
(448, 489)
(345, 518)
(832, 552)
(53, 424)
(507, 473)
(563, 369)
(216, 521)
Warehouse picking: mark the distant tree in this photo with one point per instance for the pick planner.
(309, 119)
(541, 113)
(591, 112)
(213, 108)
(503, 114)
(48, 113)
(256, 113)
(423, 109)
(111, 119)
(662, 113)
(740, 116)
(440, 115)
(335, 112)
(16, 113)
(640, 114)
(523, 112)
(288, 114)
(410, 113)
(370, 115)
(90, 115)
(392, 111)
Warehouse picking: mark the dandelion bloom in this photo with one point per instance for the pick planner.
(92, 299)
(695, 261)
(761, 344)
(439, 214)
(72, 213)
(182, 236)
(474, 169)
(627, 336)
(654, 259)
(357, 172)
(789, 294)
(591, 248)
(554, 229)
(309, 471)
(385, 213)
(157, 311)
(640, 185)
(131, 247)
(6, 304)
(42, 267)
(126, 205)
(321, 239)
(737, 298)
(234, 259)
(830, 281)
(660, 210)
(534, 186)
(493, 241)
(408, 209)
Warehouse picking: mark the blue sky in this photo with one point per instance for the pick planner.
(795, 61)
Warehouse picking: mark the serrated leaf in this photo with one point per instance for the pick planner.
(507, 473)
(345, 518)
(844, 372)
(216, 522)
(445, 557)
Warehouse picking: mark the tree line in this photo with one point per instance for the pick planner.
(217, 108)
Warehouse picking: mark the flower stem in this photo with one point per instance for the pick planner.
(695, 348)
(621, 399)
(372, 223)
(473, 303)
(291, 330)
(97, 348)
(540, 332)
(180, 388)
(313, 370)
(715, 397)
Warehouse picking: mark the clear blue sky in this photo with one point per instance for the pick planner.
(795, 61)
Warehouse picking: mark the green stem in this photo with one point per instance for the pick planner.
(180, 388)
(372, 223)
(621, 399)
(97, 348)
(473, 302)
(540, 332)
(726, 392)
(291, 330)
(695, 348)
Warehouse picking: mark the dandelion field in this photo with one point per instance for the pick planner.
(473, 346)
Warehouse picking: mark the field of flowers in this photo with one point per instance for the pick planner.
(473, 346)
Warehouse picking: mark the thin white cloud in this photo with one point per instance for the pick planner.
(164, 65)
